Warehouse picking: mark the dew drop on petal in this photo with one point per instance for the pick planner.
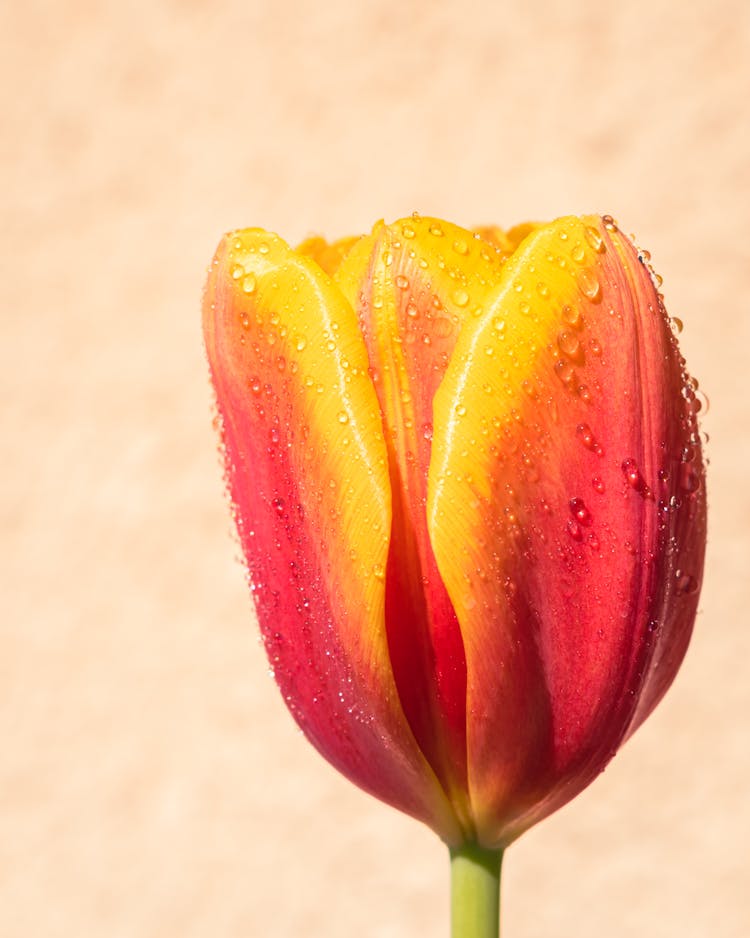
(564, 371)
(460, 298)
(586, 435)
(690, 479)
(569, 344)
(443, 327)
(588, 283)
(594, 238)
(571, 315)
(633, 475)
(686, 583)
(579, 511)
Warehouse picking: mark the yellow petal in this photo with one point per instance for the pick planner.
(327, 255)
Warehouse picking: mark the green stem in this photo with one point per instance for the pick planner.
(475, 892)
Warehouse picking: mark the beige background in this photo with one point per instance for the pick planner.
(151, 782)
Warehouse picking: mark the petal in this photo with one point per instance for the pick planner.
(414, 284)
(554, 497)
(327, 255)
(307, 473)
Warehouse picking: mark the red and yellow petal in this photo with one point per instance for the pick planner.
(414, 284)
(567, 517)
(307, 469)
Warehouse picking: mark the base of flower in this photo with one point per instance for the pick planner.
(475, 892)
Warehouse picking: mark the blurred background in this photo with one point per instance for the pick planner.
(151, 781)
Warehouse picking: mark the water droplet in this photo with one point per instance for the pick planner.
(378, 571)
(237, 271)
(402, 282)
(436, 230)
(571, 315)
(586, 435)
(427, 431)
(460, 297)
(653, 625)
(461, 410)
(542, 289)
(263, 248)
(301, 343)
(690, 479)
(579, 511)
(255, 385)
(498, 324)
(343, 417)
(564, 371)
(677, 324)
(443, 327)
(460, 246)
(633, 476)
(408, 232)
(574, 530)
(594, 238)
(609, 223)
(529, 389)
(249, 283)
(598, 484)
(577, 252)
(569, 345)
(686, 583)
(278, 505)
(588, 284)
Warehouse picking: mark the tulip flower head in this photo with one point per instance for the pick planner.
(467, 478)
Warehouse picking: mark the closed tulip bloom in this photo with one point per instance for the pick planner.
(467, 479)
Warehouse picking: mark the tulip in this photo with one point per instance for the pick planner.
(467, 478)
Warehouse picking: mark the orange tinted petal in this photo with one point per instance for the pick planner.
(307, 471)
(414, 284)
(554, 508)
